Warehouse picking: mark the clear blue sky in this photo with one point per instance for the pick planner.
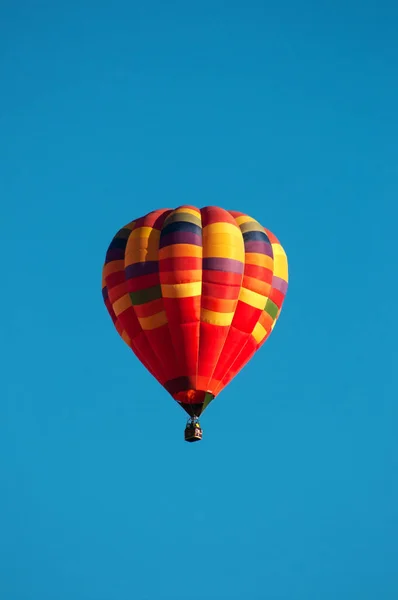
(287, 111)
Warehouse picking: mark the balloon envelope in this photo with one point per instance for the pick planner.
(194, 293)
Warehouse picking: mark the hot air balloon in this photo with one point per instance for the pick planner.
(194, 293)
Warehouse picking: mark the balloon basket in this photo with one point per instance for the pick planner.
(193, 431)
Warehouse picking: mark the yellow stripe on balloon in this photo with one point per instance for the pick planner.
(278, 250)
(191, 211)
(143, 232)
(214, 229)
(143, 248)
(243, 219)
(223, 251)
(122, 304)
(259, 333)
(154, 321)
(260, 260)
(252, 298)
(280, 262)
(142, 243)
(141, 255)
(182, 290)
(224, 245)
(216, 318)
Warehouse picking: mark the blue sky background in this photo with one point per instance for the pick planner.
(287, 111)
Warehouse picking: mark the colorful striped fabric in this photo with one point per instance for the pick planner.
(194, 293)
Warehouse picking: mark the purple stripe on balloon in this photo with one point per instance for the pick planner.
(114, 254)
(279, 284)
(259, 247)
(180, 237)
(105, 293)
(141, 268)
(228, 265)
